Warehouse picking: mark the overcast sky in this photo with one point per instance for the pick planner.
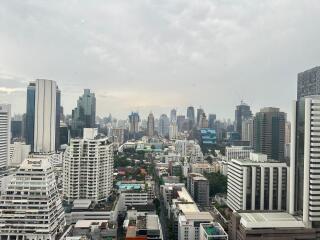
(148, 55)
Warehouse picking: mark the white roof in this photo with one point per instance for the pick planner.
(81, 203)
(270, 220)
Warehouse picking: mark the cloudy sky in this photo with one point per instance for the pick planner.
(157, 54)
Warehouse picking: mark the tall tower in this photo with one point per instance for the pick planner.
(88, 168)
(173, 116)
(242, 113)
(199, 114)
(31, 207)
(84, 115)
(5, 130)
(269, 133)
(30, 114)
(45, 116)
(150, 125)
(190, 115)
(308, 83)
(134, 120)
(164, 125)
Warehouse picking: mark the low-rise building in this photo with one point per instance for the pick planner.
(204, 168)
(268, 225)
(238, 152)
(198, 187)
(211, 231)
(94, 230)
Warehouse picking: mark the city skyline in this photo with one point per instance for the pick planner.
(194, 52)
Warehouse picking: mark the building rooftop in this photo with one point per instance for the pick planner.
(269, 220)
(184, 195)
(188, 208)
(198, 216)
(81, 204)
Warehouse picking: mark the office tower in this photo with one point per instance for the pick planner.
(211, 120)
(150, 125)
(287, 138)
(64, 133)
(58, 117)
(17, 127)
(173, 131)
(247, 131)
(134, 120)
(257, 184)
(191, 115)
(180, 122)
(242, 113)
(269, 133)
(84, 115)
(304, 160)
(163, 125)
(19, 151)
(198, 187)
(47, 96)
(203, 121)
(31, 207)
(308, 83)
(238, 152)
(5, 128)
(117, 135)
(88, 167)
(173, 115)
(199, 114)
(30, 114)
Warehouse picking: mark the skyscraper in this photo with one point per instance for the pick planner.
(304, 160)
(242, 113)
(173, 131)
(247, 131)
(30, 113)
(31, 207)
(203, 121)
(164, 125)
(88, 167)
(269, 133)
(211, 120)
(84, 115)
(308, 83)
(173, 115)
(45, 126)
(190, 115)
(199, 114)
(5, 128)
(150, 125)
(134, 120)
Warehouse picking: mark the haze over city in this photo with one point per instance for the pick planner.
(155, 55)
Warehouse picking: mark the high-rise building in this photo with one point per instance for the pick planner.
(247, 131)
(257, 184)
(150, 125)
(30, 114)
(200, 111)
(5, 128)
(88, 167)
(173, 115)
(181, 119)
(203, 121)
(134, 120)
(269, 133)
(190, 114)
(304, 160)
(211, 120)
(309, 83)
(17, 127)
(198, 187)
(84, 115)
(47, 112)
(173, 131)
(287, 138)
(31, 207)
(164, 125)
(19, 151)
(242, 113)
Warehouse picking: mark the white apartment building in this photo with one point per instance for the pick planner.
(189, 148)
(247, 130)
(257, 184)
(5, 132)
(238, 152)
(189, 225)
(204, 168)
(88, 168)
(19, 151)
(45, 116)
(31, 209)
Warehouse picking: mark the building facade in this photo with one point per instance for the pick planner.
(269, 133)
(150, 125)
(242, 113)
(163, 125)
(88, 168)
(30, 114)
(308, 83)
(198, 187)
(238, 152)
(5, 134)
(36, 212)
